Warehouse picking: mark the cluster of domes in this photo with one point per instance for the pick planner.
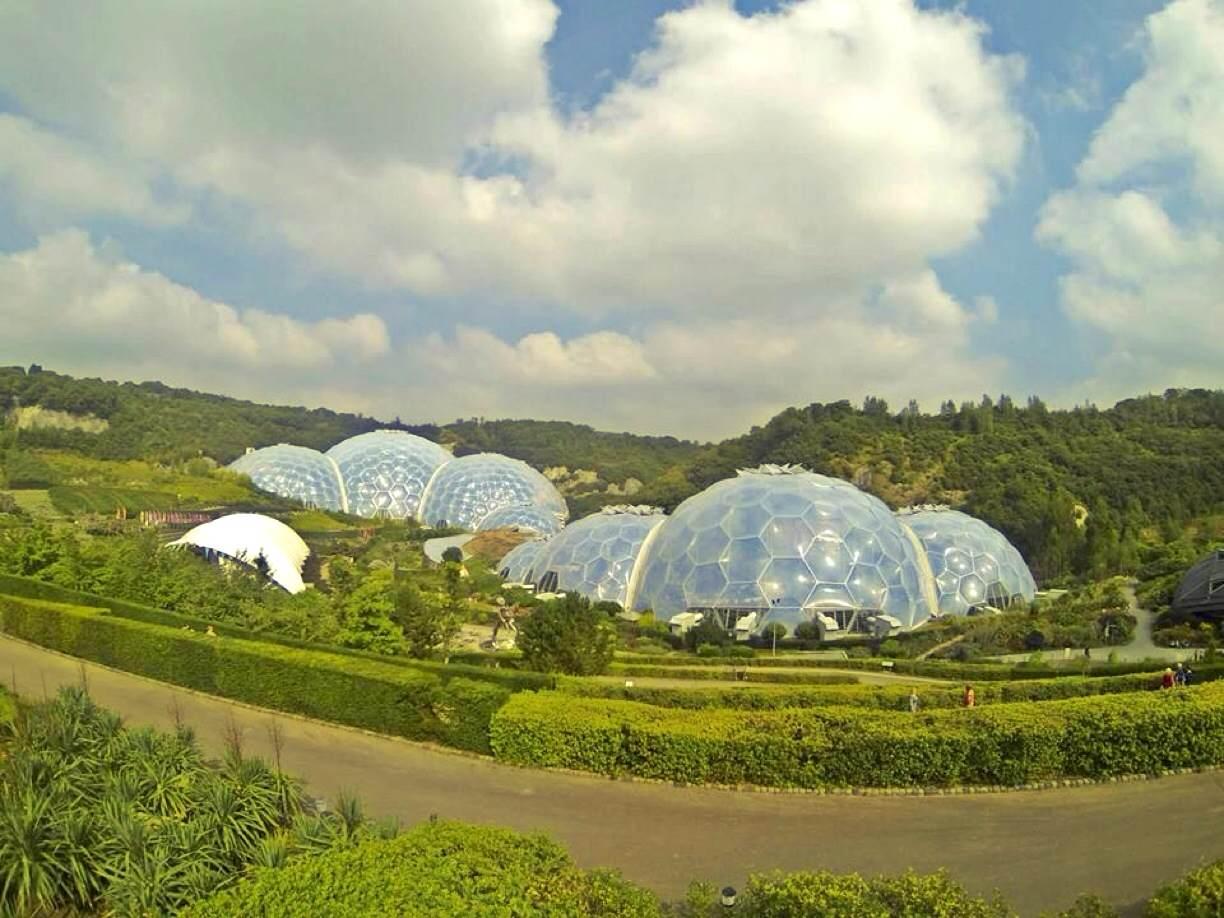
(396, 475)
(787, 546)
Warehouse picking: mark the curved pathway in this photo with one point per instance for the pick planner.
(1040, 849)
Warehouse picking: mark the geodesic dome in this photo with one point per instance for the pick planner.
(385, 472)
(524, 516)
(1201, 590)
(248, 537)
(295, 472)
(785, 543)
(465, 491)
(519, 562)
(972, 562)
(596, 555)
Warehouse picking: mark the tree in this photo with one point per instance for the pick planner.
(707, 631)
(568, 636)
(453, 555)
(366, 616)
(426, 625)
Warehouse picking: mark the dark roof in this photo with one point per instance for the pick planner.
(1202, 589)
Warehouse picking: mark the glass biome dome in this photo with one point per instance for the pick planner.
(596, 555)
(784, 543)
(519, 562)
(465, 491)
(385, 472)
(973, 563)
(295, 472)
(524, 516)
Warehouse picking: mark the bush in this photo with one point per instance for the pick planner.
(830, 895)
(843, 690)
(422, 703)
(1198, 894)
(1004, 744)
(436, 869)
(567, 636)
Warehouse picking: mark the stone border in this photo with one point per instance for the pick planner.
(957, 790)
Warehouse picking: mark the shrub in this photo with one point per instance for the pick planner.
(1198, 894)
(436, 869)
(567, 636)
(1004, 744)
(829, 895)
(446, 705)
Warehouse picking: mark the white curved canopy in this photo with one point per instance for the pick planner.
(245, 537)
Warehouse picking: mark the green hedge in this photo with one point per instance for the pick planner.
(723, 673)
(937, 669)
(1198, 894)
(1002, 744)
(436, 869)
(886, 697)
(829, 895)
(30, 588)
(420, 704)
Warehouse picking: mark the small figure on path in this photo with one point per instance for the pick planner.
(1186, 674)
(969, 699)
(1087, 653)
(1166, 679)
(913, 701)
(1179, 676)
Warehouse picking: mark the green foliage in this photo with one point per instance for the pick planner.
(707, 633)
(1002, 744)
(450, 705)
(829, 895)
(436, 869)
(843, 690)
(130, 822)
(1089, 906)
(453, 555)
(1198, 894)
(567, 636)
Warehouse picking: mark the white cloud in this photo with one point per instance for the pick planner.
(756, 205)
(53, 179)
(1143, 227)
(68, 303)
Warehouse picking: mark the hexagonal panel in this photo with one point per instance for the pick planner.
(295, 472)
(746, 559)
(465, 491)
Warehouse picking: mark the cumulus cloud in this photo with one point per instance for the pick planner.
(746, 220)
(1143, 228)
(53, 179)
(73, 304)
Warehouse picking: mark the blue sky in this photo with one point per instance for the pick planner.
(647, 215)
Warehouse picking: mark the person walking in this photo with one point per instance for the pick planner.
(913, 701)
(1166, 679)
(968, 699)
(1186, 675)
(1179, 676)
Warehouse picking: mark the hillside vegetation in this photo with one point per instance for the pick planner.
(1081, 492)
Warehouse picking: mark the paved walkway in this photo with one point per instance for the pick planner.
(1039, 849)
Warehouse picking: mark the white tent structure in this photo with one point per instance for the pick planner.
(245, 537)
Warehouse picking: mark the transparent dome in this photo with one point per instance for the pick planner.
(295, 472)
(785, 543)
(524, 516)
(466, 490)
(973, 563)
(519, 562)
(596, 555)
(385, 472)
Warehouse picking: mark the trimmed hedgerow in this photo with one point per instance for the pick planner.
(726, 668)
(29, 588)
(436, 869)
(1198, 894)
(418, 703)
(821, 894)
(850, 693)
(1002, 744)
(936, 669)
